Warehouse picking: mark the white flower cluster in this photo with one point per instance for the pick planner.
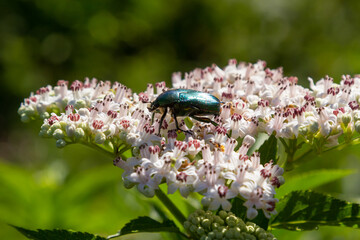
(254, 99)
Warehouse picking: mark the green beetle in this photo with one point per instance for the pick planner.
(186, 102)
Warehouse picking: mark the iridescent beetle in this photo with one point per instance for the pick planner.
(186, 102)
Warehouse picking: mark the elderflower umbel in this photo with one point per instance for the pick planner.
(255, 99)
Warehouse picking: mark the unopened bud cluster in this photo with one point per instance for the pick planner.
(206, 225)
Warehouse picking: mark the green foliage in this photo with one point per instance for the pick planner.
(310, 180)
(146, 224)
(307, 210)
(57, 234)
(268, 150)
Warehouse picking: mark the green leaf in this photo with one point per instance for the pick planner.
(146, 224)
(57, 234)
(306, 210)
(312, 179)
(268, 150)
(239, 210)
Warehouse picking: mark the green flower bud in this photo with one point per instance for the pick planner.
(79, 133)
(346, 119)
(44, 115)
(83, 125)
(100, 138)
(58, 134)
(193, 228)
(357, 126)
(215, 226)
(25, 118)
(63, 124)
(128, 184)
(303, 130)
(314, 127)
(211, 235)
(218, 220)
(250, 227)
(206, 223)
(200, 231)
(356, 115)
(223, 214)
(195, 220)
(80, 104)
(53, 128)
(229, 233)
(187, 225)
(60, 143)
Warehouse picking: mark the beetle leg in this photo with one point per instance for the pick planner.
(204, 119)
(162, 119)
(177, 126)
(152, 118)
(207, 120)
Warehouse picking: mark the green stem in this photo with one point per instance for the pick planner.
(170, 205)
(98, 148)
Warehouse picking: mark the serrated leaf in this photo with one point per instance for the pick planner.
(268, 150)
(311, 180)
(307, 210)
(57, 234)
(147, 224)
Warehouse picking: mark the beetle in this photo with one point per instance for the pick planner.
(186, 102)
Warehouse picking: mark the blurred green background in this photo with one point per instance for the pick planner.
(138, 42)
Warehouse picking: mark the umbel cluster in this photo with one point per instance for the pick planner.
(212, 157)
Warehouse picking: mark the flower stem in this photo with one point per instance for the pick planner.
(170, 205)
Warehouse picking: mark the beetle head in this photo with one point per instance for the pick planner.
(153, 106)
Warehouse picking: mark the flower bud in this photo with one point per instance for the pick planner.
(70, 130)
(60, 143)
(356, 115)
(346, 119)
(128, 184)
(25, 118)
(357, 126)
(223, 214)
(187, 225)
(58, 134)
(200, 231)
(100, 138)
(44, 115)
(303, 130)
(84, 112)
(314, 127)
(79, 133)
(80, 104)
(44, 130)
(53, 128)
(148, 192)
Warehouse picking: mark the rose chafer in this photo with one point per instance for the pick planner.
(186, 102)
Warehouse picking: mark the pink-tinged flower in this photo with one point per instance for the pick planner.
(141, 176)
(183, 181)
(219, 195)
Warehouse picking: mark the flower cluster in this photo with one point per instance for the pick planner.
(212, 161)
(224, 225)
(217, 172)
